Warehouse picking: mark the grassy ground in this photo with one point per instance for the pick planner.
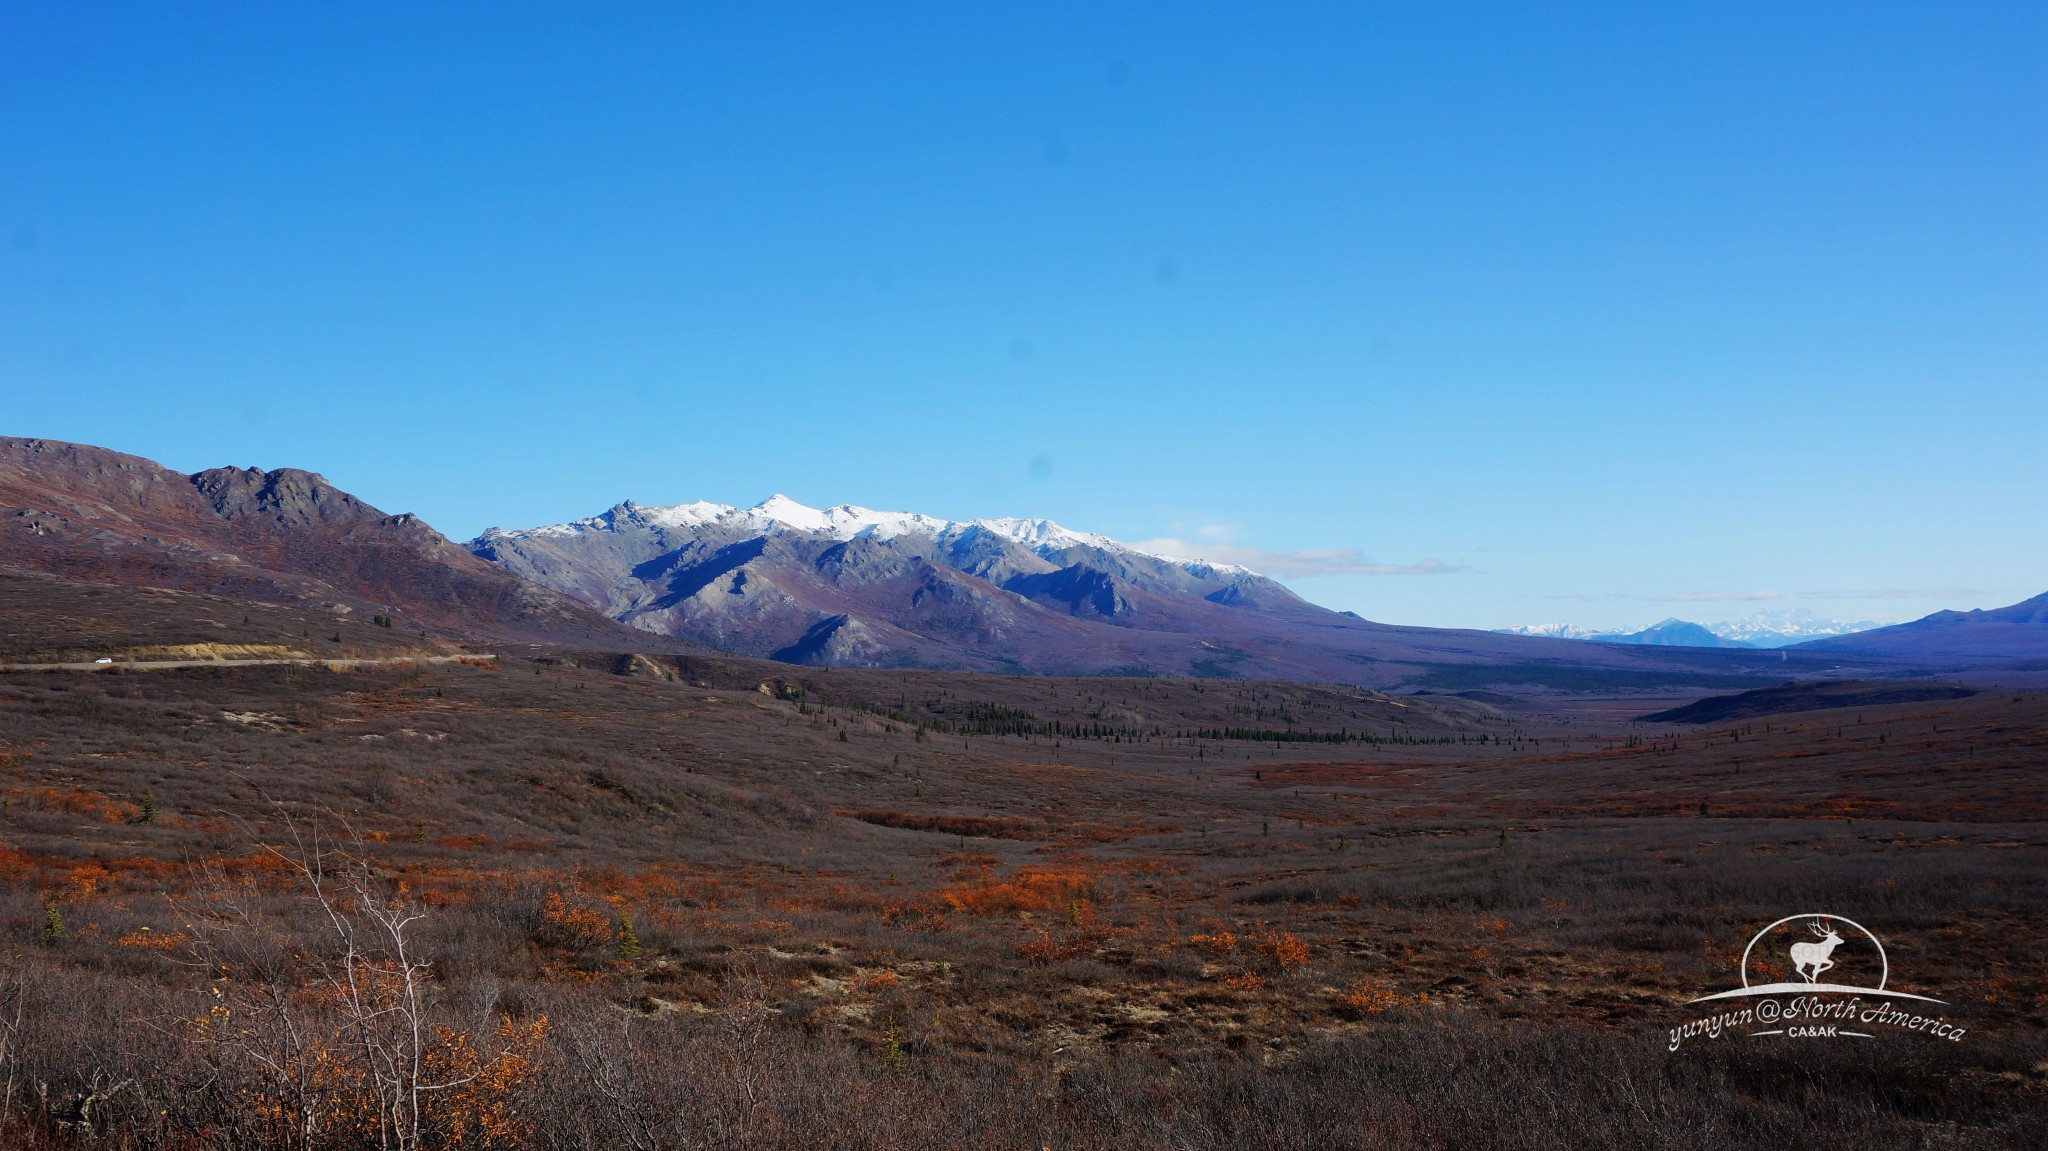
(761, 906)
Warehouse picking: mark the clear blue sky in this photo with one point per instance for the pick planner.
(1492, 315)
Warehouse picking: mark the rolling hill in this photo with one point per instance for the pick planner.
(2012, 636)
(285, 537)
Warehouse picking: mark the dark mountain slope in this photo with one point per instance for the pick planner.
(2013, 634)
(1674, 633)
(1814, 696)
(284, 536)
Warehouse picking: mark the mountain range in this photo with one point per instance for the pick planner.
(1763, 629)
(849, 586)
(843, 586)
(284, 536)
(2012, 634)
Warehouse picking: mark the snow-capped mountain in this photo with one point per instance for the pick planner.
(1779, 628)
(1549, 630)
(779, 513)
(849, 586)
(1673, 632)
(1769, 629)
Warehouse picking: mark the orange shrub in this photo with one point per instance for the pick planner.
(1284, 949)
(479, 1110)
(465, 842)
(90, 804)
(573, 925)
(1046, 949)
(1370, 997)
(148, 940)
(1246, 982)
(15, 864)
(1221, 943)
(87, 880)
(1029, 889)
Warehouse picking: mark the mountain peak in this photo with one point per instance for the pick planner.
(784, 510)
(780, 578)
(851, 521)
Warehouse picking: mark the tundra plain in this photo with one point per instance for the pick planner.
(662, 901)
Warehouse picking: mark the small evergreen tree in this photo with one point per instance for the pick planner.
(894, 1060)
(53, 924)
(629, 943)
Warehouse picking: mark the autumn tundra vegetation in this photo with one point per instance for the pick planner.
(530, 901)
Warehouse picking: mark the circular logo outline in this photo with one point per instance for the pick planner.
(1885, 963)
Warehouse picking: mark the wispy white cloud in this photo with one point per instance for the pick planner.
(1714, 597)
(1344, 561)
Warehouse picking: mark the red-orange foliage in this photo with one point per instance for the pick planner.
(1370, 996)
(87, 880)
(1028, 889)
(480, 1110)
(148, 940)
(1044, 948)
(90, 804)
(572, 925)
(1284, 949)
(465, 842)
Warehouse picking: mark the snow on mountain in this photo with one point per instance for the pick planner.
(1779, 628)
(1549, 630)
(847, 586)
(1674, 632)
(853, 586)
(845, 521)
(848, 522)
(1764, 629)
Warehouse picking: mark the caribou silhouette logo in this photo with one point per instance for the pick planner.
(1821, 997)
(1810, 959)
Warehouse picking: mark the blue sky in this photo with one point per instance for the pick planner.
(1454, 315)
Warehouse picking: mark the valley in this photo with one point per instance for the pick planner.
(1023, 899)
(1025, 839)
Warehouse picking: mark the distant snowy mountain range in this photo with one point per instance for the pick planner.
(848, 586)
(779, 513)
(1763, 629)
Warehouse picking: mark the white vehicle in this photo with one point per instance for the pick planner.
(104, 659)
